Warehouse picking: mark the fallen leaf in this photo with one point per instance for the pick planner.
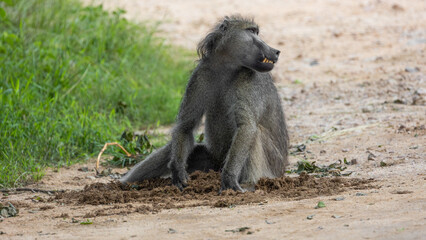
(320, 204)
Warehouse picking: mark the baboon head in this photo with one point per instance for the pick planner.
(236, 40)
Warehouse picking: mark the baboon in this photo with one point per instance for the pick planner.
(245, 131)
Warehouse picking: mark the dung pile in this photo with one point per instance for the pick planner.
(202, 190)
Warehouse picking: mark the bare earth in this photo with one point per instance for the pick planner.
(352, 75)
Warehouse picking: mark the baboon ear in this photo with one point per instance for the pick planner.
(224, 25)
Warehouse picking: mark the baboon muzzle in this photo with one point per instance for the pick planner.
(271, 56)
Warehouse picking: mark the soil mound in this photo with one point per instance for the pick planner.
(203, 188)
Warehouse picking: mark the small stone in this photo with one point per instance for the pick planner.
(397, 7)
(371, 157)
(336, 216)
(12, 210)
(354, 161)
(4, 213)
(268, 222)
(358, 194)
(9, 211)
(412, 69)
(337, 34)
(301, 147)
(313, 62)
(339, 199)
(171, 231)
(346, 225)
(345, 150)
(115, 176)
(310, 217)
(374, 59)
(323, 152)
(106, 172)
(91, 177)
(367, 109)
(402, 192)
(399, 101)
(420, 91)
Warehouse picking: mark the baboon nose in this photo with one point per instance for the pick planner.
(278, 53)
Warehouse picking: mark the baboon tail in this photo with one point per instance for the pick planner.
(152, 167)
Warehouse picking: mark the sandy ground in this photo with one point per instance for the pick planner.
(353, 85)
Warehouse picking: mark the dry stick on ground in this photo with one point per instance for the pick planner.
(104, 148)
(30, 190)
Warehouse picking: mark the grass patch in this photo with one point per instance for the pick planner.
(73, 78)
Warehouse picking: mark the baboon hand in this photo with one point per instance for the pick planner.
(230, 182)
(179, 176)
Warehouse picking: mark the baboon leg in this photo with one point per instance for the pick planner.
(201, 159)
(152, 167)
(156, 164)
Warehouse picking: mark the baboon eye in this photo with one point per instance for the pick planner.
(252, 30)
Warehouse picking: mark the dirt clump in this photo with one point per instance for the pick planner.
(307, 186)
(203, 190)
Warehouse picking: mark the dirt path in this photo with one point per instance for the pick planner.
(353, 83)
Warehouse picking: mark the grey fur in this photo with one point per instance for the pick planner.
(245, 130)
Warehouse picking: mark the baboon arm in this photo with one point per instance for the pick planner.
(189, 117)
(192, 106)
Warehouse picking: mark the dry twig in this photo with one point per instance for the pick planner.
(104, 148)
(30, 190)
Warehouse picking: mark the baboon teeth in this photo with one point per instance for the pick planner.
(265, 60)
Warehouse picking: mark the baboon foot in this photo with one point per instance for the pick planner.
(179, 176)
(230, 182)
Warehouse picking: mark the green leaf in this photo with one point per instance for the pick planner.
(87, 222)
(320, 204)
(200, 138)
(8, 2)
(2, 13)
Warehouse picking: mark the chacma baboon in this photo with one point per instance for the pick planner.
(245, 131)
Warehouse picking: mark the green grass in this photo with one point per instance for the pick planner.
(73, 78)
